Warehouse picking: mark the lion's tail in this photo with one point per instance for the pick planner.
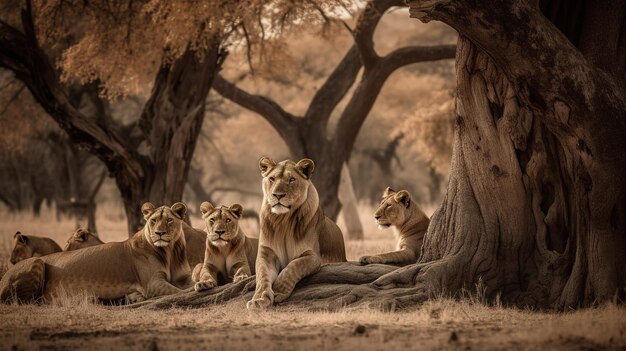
(23, 282)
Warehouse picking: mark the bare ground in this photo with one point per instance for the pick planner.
(466, 324)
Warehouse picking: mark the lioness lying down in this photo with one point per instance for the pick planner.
(27, 246)
(230, 254)
(151, 263)
(295, 237)
(410, 224)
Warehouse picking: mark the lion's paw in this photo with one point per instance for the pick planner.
(265, 300)
(240, 277)
(204, 285)
(369, 260)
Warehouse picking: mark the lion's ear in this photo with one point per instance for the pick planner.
(206, 207)
(266, 164)
(147, 209)
(403, 197)
(21, 238)
(81, 234)
(236, 209)
(388, 192)
(180, 209)
(306, 167)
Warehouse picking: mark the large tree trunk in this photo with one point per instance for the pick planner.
(171, 122)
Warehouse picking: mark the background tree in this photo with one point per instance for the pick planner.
(178, 46)
(308, 135)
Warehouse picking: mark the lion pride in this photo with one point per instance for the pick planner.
(151, 263)
(296, 236)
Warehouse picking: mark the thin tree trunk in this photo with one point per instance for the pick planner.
(349, 209)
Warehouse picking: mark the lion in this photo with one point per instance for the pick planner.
(151, 263)
(230, 254)
(27, 246)
(410, 223)
(296, 237)
(81, 238)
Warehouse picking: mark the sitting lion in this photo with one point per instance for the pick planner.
(295, 236)
(151, 263)
(410, 223)
(230, 254)
(80, 239)
(27, 246)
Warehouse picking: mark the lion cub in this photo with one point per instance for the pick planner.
(27, 246)
(410, 223)
(81, 238)
(229, 254)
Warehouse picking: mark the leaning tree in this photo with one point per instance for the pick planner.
(175, 47)
(536, 202)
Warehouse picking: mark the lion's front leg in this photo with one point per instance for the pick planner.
(159, 286)
(308, 263)
(207, 278)
(240, 270)
(405, 256)
(266, 273)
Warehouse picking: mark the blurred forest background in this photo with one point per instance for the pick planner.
(405, 141)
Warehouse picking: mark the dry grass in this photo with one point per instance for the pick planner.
(75, 322)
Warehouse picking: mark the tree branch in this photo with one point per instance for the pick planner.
(282, 121)
(21, 54)
(369, 87)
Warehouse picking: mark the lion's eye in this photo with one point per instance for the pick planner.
(170, 220)
(211, 221)
(388, 205)
(227, 220)
(292, 179)
(153, 220)
(271, 179)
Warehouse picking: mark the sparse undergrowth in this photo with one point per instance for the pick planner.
(75, 322)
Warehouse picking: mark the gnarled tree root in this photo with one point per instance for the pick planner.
(335, 286)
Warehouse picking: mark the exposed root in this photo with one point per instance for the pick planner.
(334, 286)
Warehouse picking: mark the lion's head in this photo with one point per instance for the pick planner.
(164, 225)
(222, 223)
(286, 185)
(81, 238)
(21, 248)
(393, 209)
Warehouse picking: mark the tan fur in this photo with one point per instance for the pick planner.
(230, 254)
(80, 239)
(196, 244)
(409, 222)
(27, 246)
(151, 263)
(295, 236)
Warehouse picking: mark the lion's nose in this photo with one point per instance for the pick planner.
(377, 217)
(220, 232)
(278, 196)
(159, 233)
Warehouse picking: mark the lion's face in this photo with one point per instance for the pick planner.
(21, 248)
(164, 225)
(80, 239)
(286, 184)
(222, 223)
(393, 209)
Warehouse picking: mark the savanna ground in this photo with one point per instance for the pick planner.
(442, 323)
